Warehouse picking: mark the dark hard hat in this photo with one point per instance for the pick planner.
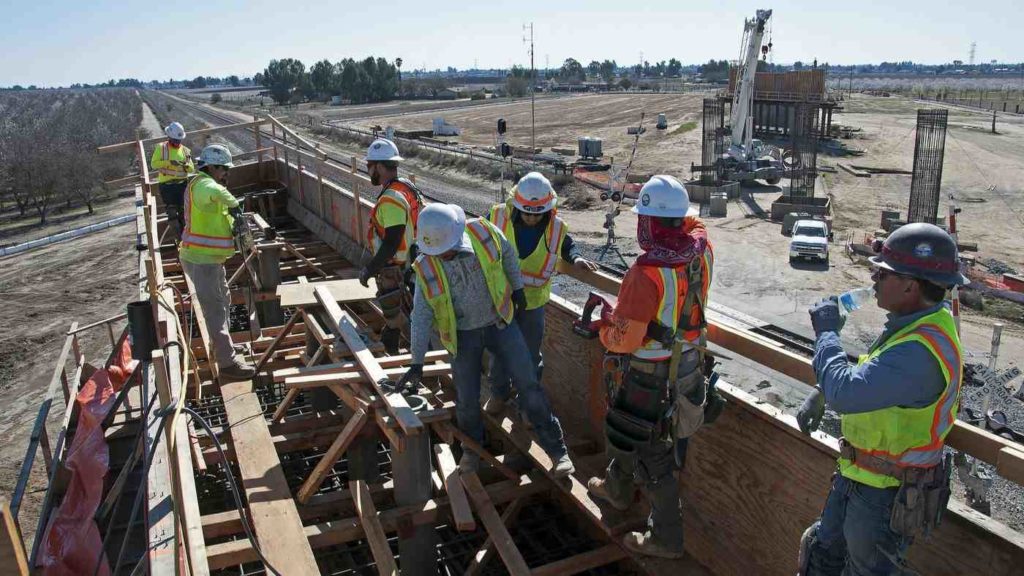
(922, 251)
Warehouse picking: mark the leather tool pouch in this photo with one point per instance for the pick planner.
(920, 504)
(393, 297)
(690, 393)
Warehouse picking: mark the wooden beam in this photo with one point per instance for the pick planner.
(340, 367)
(602, 556)
(12, 549)
(335, 532)
(323, 467)
(486, 551)
(375, 536)
(275, 520)
(449, 473)
(349, 378)
(496, 529)
(343, 327)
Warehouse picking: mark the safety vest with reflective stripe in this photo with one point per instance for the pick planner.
(167, 172)
(207, 224)
(908, 437)
(431, 279)
(401, 193)
(537, 268)
(673, 285)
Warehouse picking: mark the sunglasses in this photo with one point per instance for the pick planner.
(882, 274)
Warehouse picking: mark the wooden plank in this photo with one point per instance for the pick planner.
(340, 531)
(374, 531)
(339, 367)
(343, 327)
(449, 473)
(602, 556)
(449, 432)
(277, 340)
(318, 380)
(12, 549)
(340, 290)
(274, 517)
(506, 548)
(330, 458)
(486, 551)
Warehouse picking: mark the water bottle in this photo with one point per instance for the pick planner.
(854, 299)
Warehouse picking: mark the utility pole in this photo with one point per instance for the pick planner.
(533, 83)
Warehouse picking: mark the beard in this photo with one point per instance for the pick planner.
(374, 178)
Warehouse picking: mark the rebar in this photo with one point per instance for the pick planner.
(804, 152)
(929, 152)
(712, 140)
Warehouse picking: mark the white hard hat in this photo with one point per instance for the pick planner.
(533, 194)
(175, 131)
(215, 155)
(382, 150)
(440, 228)
(665, 197)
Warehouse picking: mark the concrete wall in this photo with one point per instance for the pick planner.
(812, 206)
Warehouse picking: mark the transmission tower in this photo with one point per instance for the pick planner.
(974, 46)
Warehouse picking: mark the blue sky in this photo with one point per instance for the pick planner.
(62, 42)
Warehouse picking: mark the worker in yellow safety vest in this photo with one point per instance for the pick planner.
(206, 243)
(391, 235)
(656, 370)
(529, 219)
(896, 406)
(173, 163)
(469, 290)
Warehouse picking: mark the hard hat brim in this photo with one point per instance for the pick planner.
(945, 279)
(691, 211)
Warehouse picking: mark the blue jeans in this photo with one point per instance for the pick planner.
(854, 538)
(508, 345)
(531, 324)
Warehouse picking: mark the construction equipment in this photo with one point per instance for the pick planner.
(585, 325)
(748, 159)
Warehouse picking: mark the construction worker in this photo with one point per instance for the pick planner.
(206, 243)
(391, 235)
(896, 406)
(469, 289)
(529, 219)
(657, 381)
(173, 162)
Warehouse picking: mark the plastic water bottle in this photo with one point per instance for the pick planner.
(854, 299)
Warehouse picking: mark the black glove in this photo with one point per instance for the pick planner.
(810, 413)
(411, 378)
(364, 277)
(660, 333)
(238, 225)
(519, 301)
(825, 316)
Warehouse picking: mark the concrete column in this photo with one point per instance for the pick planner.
(411, 471)
(269, 270)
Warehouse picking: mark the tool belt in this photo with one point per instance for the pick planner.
(394, 297)
(923, 493)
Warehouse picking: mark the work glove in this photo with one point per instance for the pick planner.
(660, 333)
(238, 223)
(364, 277)
(412, 377)
(825, 316)
(519, 301)
(811, 411)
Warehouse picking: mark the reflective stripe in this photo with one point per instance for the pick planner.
(667, 281)
(547, 269)
(479, 231)
(525, 202)
(431, 278)
(375, 233)
(170, 171)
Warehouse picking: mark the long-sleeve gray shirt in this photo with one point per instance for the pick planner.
(905, 375)
(471, 300)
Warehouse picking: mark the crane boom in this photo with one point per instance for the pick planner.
(742, 121)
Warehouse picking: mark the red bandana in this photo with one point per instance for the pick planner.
(664, 246)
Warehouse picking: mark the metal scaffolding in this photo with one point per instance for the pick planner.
(929, 151)
(802, 160)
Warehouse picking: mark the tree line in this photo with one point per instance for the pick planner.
(48, 143)
(360, 81)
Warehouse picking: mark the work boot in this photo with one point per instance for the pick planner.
(643, 544)
(495, 406)
(469, 463)
(236, 371)
(598, 488)
(240, 349)
(391, 338)
(563, 466)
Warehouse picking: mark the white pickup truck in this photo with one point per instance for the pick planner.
(810, 240)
